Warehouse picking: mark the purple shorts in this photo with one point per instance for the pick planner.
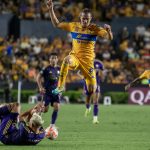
(50, 98)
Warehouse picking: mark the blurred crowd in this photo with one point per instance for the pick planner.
(124, 58)
(104, 10)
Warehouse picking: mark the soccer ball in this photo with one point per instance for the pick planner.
(51, 133)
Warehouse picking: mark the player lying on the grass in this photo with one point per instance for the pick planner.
(82, 56)
(144, 75)
(29, 130)
(99, 67)
(50, 74)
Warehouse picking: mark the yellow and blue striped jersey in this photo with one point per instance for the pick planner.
(83, 39)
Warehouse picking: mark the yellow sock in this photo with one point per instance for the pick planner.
(63, 74)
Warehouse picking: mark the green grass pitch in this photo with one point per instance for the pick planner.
(121, 127)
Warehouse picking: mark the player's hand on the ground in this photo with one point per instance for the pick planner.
(49, 4)
(127, 87)
(107, 27)
(42, 90)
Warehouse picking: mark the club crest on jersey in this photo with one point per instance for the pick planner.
(79, 35)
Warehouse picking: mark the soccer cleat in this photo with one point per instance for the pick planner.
(53, 126)
(58, 90)
(95, 120)
(87, 112)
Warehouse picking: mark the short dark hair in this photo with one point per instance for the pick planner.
(53, 54)
(86, 11)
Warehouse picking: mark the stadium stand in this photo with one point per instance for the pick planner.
(124, 58)
(102, 9)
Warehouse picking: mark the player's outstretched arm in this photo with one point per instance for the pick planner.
(108, 29)
(38, 80)
(28, 114)
(53, 17)
(132, 83)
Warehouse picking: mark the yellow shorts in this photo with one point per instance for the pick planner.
(86, 67)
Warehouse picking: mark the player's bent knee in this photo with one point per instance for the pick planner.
(67, 60)
(95, 102)
(56, 106)
(91, 90)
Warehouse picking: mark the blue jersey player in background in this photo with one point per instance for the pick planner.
(13, 133)
(99, 67)
(50, 75)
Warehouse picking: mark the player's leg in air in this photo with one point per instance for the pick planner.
(69, 62)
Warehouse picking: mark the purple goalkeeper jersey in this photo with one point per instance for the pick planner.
(10, 134)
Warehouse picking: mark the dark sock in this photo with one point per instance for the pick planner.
(87, 106)
(54, 116)
(95, 110)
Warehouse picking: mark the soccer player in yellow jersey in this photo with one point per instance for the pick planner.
(83, 41)
(144, 75)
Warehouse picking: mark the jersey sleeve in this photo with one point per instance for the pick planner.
(67, 26)
(99, 31)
